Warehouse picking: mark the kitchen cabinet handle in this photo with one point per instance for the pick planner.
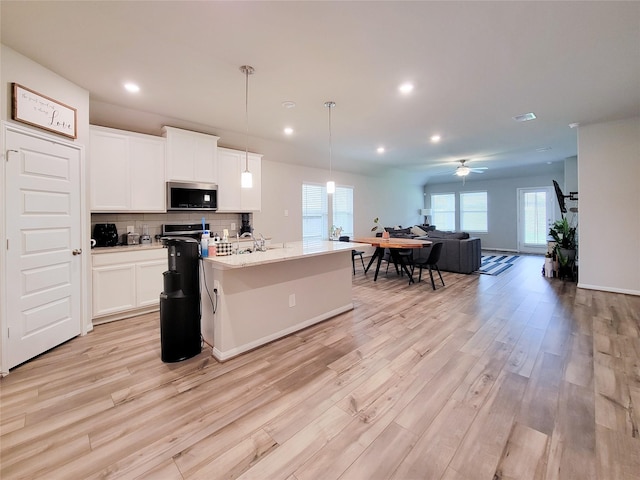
(77, 251)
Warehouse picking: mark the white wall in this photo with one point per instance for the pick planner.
(393, 198)
(609, 206)
(18, 68)
(502, 204)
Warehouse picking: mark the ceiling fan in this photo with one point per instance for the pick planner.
(463, 170)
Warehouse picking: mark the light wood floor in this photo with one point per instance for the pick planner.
(508, 377)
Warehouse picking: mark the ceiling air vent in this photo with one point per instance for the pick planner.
(525, 117)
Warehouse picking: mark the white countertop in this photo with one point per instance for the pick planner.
(277, 253)
(134, 248)
(126, 248)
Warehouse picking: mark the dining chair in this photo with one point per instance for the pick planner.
(430, 262)
(354, 254)
(405, 255)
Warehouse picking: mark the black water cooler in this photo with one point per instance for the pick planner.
(180, 301)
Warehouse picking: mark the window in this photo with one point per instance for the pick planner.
(320, 210)
(343, 210)
(535, 218)
(314, 212)
(443, 211)
(473, 212)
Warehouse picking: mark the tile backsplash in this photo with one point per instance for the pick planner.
(217, 221)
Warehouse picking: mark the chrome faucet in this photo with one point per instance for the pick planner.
(259, 245)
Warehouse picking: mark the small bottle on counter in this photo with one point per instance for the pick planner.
(212, 247)
(204, 243)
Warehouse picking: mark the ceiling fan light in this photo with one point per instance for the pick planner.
(463, 171)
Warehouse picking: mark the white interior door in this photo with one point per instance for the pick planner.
(43, 277)
(535, 216)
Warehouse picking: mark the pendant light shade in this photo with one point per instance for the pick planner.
(246, 179)
(331, 185)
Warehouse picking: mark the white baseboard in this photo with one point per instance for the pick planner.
(609, 289)
(222, 356)
(510, 250)
(127, 314)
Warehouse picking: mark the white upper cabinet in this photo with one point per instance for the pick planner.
(126, 171)
(148, 192)
(191, 156)
(231, 196)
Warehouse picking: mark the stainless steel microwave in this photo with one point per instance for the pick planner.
(192, 196)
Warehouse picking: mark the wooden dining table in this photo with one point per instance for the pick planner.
(394, 245)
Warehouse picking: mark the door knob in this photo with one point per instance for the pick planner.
(77, 251)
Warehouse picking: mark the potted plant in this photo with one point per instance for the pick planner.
(376, 224)
(564, 236)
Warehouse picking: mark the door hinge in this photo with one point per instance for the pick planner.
(7, 244)
(8, 335)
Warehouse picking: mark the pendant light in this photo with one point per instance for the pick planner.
(331, 185)
(246, 180)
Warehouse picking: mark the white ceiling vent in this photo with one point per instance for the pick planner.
(525, 117)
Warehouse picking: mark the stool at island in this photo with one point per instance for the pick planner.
(180, 301)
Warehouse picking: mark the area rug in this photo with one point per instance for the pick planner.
(496, 264)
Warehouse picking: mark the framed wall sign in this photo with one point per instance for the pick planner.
(41, 111)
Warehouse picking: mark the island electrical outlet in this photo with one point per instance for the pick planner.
(292, 300)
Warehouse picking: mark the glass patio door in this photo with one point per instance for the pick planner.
(535, 216)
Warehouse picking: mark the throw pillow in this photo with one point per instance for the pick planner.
(416, 230)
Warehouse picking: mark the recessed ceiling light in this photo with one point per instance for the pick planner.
(435, 138)
(380, 150)
(574, 125)
(288, 130)
(543, 149)
(288, 104)
(406, 88)
(525, 117)
(131, 87)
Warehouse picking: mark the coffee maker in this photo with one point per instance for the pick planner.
(246, 227)
(105, 234)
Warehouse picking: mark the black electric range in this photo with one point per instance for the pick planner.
(192, 230)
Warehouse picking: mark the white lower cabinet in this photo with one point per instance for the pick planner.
(126, 283)
(149, 281)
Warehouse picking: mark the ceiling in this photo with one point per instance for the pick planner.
(474, 66)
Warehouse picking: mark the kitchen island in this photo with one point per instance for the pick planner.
(262, 296)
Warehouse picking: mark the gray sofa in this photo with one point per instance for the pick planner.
(460, 252)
